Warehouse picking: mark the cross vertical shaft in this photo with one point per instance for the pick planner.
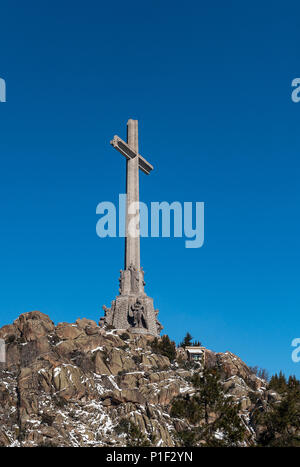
(132, 243)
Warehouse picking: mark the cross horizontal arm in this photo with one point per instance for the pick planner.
(126, 151)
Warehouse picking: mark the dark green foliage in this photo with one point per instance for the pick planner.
(209, 389)
(229, 423)
(282, 424)
(278, 383)
(137, 359)
(188, 408)
(293, 385)
(125, 336)
(164, 346)
(187, 438)
(282, 419)
(188, 341)
(254, 397)
(196, 344)
(47, 419)
(133, 435)
(209, 399)
(123, 426)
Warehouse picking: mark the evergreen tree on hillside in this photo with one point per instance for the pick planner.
(164, 346)
(188, 341)
(196, 344)
(187, 407)
(228, 423)
(278, 383)
(293, 385)
(282, 418)
(209, 399)
(209, 390)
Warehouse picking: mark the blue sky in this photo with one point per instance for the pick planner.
(210, 84)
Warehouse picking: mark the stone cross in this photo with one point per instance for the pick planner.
(132, 309)
(134, 162)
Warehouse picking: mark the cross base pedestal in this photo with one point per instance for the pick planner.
(132, 310)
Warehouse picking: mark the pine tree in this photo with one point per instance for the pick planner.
(187, 341)
(282, 419)
(229, 423)
(210, 390)
(278, 383)
(187, 407)
(196, 344)
(165, 347)
(293, 385)
(187, 438)
(209, 398)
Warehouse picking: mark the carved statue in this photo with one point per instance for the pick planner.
(138, 315)
(134, 278)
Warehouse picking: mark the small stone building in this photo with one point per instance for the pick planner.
(195, 353)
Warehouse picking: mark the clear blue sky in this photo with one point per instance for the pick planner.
(210, 83)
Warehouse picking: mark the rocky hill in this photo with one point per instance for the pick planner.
(80, 385)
